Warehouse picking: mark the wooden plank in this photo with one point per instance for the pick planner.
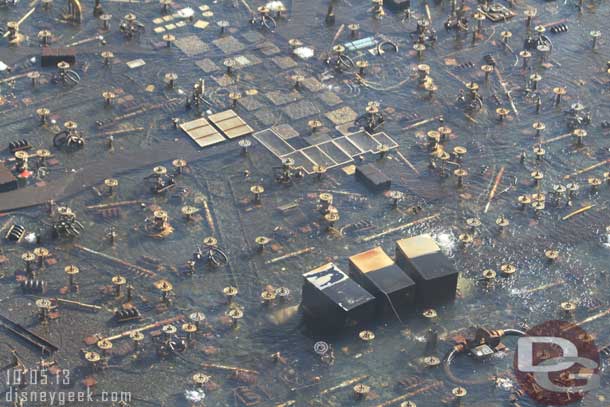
(239, 132)
(202, 132)
(218, 117)
(209, 140)
(194, 124)
(230, 124)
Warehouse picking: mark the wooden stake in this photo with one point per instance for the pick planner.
(121, 131)
(587, 320)
(492, 193)
(14, 77)
(228, 368)
(344, 384)
(289, 255)
(411, 394)
(577, 212)
(422, 122)
(542, 287)
(506, 92)
(208, 216)
(403, 158)
(399, 228)
(593, 317)
(29, 13)
(561, 137)
(145, 328)
(83, 41)
(587, 169)
(79, 304)
(336, 37)
(116, 260)
(113, 204)
(246, 5)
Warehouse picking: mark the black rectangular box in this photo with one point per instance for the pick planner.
(435, 276)
(372, 177)
(52, 56)
(8, 182)
(332, 299)
(397, 5)
(377, 273)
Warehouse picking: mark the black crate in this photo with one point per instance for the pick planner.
(436, 277)
(50, 57)
(377, 273)
(8, 182)
(373, 177)
(331, 299)
(397, 5)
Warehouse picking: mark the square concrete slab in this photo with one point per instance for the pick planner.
(229, 44)
(224, 80)
(330, 98)
(269, 48)
(300, 109)
(317, 138)
(191, 45)
(284, 62)
(207, 65)
(246, 60)
(285, 131)
(342, 115)
(250, 103)
(312, 84)
(253, 36)
(279, 98)
(266, 116)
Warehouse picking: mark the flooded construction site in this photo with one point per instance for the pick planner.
(304, 203)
